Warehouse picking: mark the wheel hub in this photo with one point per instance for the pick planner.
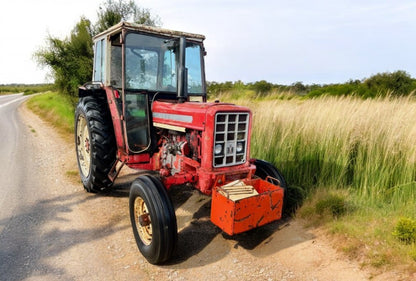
(87, 145)
(143, 221)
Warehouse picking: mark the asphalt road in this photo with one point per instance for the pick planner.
(16, 186)
(11, 157)
(45, 233)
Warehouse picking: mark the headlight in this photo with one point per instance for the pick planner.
(218, 149)
(239, 147)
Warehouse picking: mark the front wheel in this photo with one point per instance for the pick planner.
(153, 219)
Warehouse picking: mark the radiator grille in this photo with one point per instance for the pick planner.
(231, 129)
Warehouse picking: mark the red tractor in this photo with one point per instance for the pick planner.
(147, 108)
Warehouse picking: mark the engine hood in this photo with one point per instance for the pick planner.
(189, 115)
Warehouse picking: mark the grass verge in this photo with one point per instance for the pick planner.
(55, 108)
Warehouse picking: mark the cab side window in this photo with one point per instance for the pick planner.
(99, 61)
(116, 67)
(136, 121)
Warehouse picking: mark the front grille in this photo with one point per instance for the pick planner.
(231, 129)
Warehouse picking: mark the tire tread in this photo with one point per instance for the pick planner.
(103, 145)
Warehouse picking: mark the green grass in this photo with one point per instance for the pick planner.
(56, 109)
(27, 89)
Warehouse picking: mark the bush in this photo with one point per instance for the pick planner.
(405, 230)
(398, 83)
(298, 88)
(262, 87)
(28, 92)
(294, 198)
(333, 204)
(215, 88)
(27, 89)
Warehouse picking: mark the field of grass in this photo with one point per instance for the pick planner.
(355, 160)
(366, 145)
(27, 89)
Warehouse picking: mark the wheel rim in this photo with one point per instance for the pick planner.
(143, 221)
(83, 146)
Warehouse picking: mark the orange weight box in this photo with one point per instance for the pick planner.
(249, 204)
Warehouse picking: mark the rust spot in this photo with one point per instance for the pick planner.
(276, 205)
(243, 219)
(259, 221)
(144, 220)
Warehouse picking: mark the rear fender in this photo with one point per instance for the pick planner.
(90, 89)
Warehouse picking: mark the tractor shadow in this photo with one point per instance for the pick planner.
(200, 242)
(121, 187)
(42, 231)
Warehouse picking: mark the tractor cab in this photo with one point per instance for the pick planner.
(142, 64)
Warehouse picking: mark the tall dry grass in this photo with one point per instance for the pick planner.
(365, 145)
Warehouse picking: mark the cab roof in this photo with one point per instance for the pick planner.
(149, 30)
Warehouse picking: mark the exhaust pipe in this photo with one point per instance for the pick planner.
(182, 72)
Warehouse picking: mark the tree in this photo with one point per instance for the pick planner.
(70, 59)
(298, 88)
(262, 87)
(116, 11)
(399, 83)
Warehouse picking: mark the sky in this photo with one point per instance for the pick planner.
(283, 42)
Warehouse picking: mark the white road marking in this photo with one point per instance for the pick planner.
(7, 96)
(10, 102)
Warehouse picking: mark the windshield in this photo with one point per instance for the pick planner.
(151, 64)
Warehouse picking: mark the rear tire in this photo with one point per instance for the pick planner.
(153, 219)
(265, 169)
(95, 143)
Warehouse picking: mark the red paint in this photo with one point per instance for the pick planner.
(116, 113)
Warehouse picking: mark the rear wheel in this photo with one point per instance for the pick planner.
(153, 219)
(265, 169)
(94, 143)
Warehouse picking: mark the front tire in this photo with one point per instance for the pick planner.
(153, 219)
(95, 143)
